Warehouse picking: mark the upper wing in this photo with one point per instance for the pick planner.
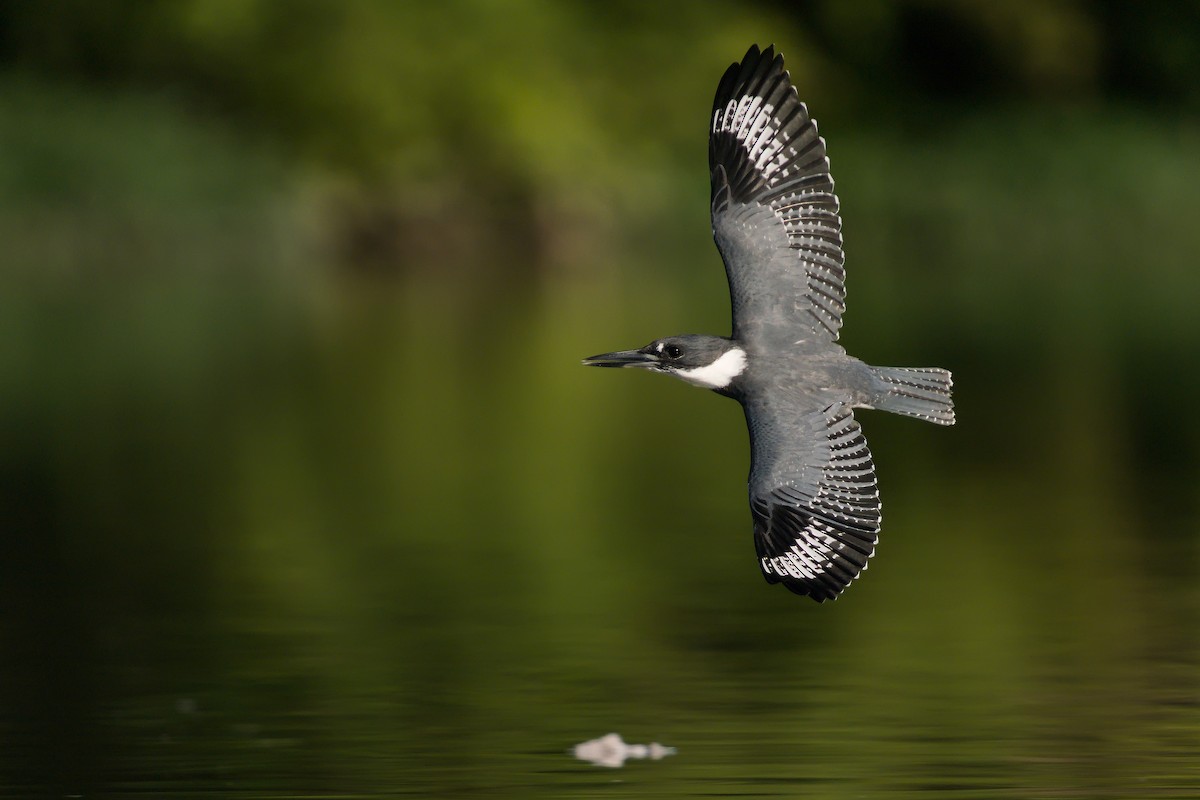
(814, 499)
(774, 213)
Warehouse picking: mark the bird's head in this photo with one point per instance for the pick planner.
(712, 362)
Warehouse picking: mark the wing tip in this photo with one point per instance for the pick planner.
(738, 73)
(827, 582)
(764, 134)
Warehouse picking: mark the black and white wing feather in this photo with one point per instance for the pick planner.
(816, 507)
(774, 212)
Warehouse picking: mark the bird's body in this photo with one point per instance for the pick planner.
(776, 222)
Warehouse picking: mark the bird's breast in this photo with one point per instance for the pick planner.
(812, 380)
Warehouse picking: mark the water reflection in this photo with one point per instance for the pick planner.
(612, 751)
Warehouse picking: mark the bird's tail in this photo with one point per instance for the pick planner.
(921, 392)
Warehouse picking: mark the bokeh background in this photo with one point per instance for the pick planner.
(305, 492)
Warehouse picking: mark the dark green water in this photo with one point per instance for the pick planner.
(363, 590)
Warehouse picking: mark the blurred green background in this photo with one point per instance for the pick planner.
(305, 492)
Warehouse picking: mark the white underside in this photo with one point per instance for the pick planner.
(718, 374)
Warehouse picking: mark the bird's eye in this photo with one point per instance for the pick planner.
(673, 351)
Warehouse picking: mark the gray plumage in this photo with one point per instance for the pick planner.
(775, 218)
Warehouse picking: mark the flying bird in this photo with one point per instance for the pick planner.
(776, 222)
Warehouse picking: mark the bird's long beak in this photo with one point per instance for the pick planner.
(623, 358)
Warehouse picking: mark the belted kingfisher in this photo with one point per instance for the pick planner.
(775, 219)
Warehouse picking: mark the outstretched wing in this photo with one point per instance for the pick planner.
(814, 499)
(774, 213)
